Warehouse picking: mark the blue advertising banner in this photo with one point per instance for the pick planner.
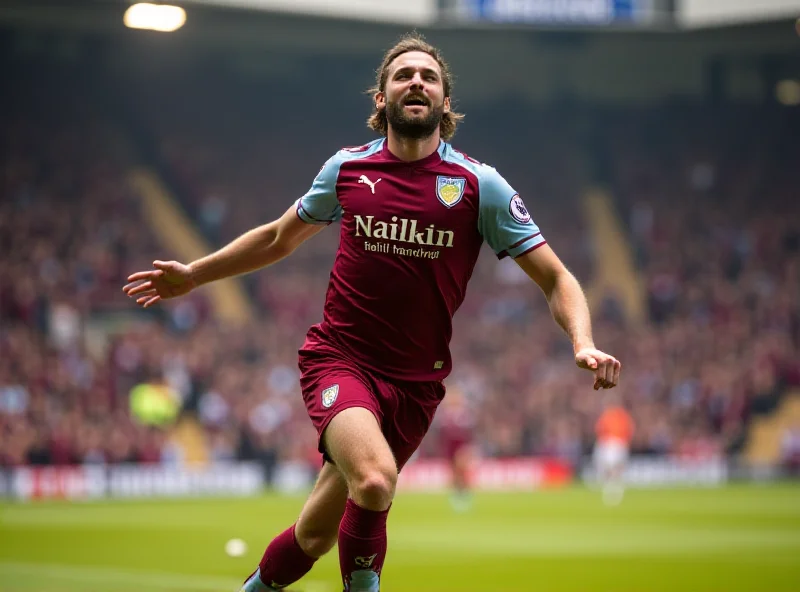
(576, 12)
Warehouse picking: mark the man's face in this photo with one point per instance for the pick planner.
(414, 97)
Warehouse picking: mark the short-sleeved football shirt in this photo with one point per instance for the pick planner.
(410, 236)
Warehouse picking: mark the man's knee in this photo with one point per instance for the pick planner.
(355, 442)
(372, 486)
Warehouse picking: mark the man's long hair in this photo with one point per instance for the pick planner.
(413, 42)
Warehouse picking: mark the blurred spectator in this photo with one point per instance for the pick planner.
(790, 449)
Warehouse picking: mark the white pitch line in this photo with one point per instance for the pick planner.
(143, 579)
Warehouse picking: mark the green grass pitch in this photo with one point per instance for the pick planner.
(736, 538)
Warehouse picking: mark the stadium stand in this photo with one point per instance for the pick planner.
(712, 224)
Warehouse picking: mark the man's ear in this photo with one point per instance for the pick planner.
(380, 100)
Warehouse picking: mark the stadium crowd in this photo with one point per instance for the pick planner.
(715, 226)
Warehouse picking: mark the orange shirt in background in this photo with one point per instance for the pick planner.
(614, 424)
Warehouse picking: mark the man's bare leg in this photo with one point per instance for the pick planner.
(354, 441)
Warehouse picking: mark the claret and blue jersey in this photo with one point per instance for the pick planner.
(410, 236)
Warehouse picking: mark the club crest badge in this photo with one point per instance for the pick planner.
(450, 190)
(329, 395)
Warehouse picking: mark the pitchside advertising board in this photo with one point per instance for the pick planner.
(245, 479)
(248, 479)
(131, 481)
(668, 472)
(555, 12)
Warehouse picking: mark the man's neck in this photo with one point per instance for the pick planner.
(409, 150)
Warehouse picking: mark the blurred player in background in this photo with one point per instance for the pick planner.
(414, 214)
(456, 430)
(614, 430)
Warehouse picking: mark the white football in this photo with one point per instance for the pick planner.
(235, 547)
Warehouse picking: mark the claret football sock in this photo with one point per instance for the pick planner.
(362, 547)
(283, 563)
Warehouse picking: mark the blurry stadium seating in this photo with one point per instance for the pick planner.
(718, 270)
(178, 235)
(766, 433)
(615, 275)
(190, 436)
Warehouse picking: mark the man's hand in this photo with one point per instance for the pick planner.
(169, 279)
(606, 368)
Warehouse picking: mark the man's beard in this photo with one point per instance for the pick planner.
(413, 128)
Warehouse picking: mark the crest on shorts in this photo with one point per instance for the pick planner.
(329, 395)
(450, 190)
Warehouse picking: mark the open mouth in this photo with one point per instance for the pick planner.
(415, 102)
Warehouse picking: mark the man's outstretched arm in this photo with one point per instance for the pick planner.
(257, 248)
(570, 310)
